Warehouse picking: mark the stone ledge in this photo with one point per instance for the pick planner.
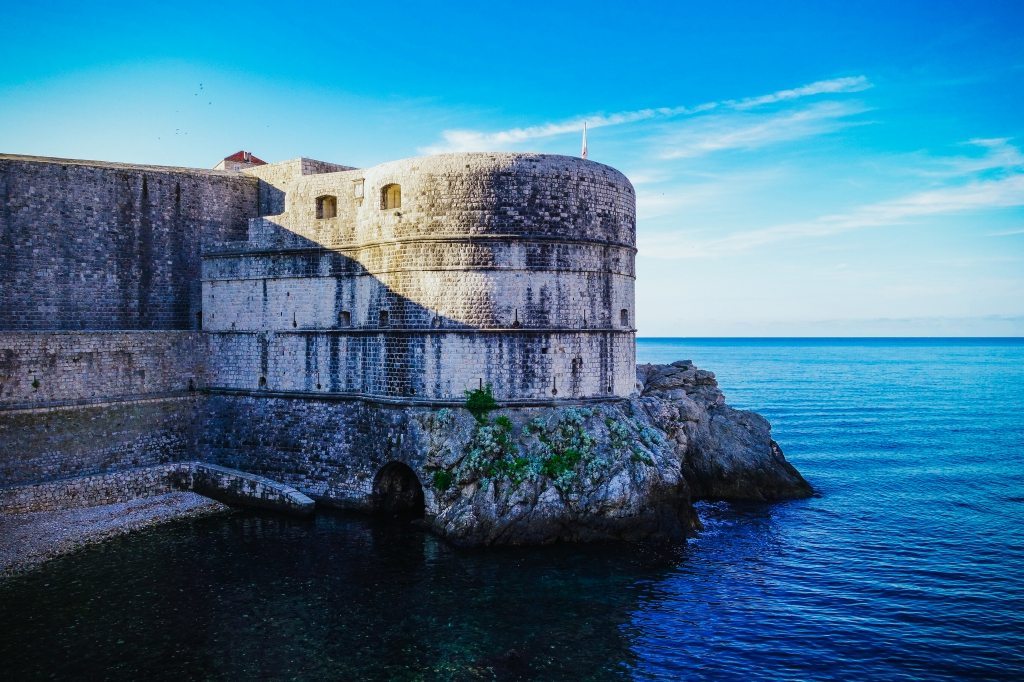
(55, 405)
(239, 488)
(228, 249)
(229, 486)
(405, 402)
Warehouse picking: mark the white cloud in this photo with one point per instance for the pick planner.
(1006, 233)
(827, 87)
(701, 191)
(478, 140)
(746, 131)
(979, 195)
(998, 154)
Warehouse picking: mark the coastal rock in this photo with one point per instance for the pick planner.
(628, 470)
(728, 454)
(535, 476)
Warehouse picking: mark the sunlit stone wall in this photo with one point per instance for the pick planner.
(514, 270)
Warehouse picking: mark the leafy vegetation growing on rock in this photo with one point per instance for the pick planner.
(479, 402)
(442, 480)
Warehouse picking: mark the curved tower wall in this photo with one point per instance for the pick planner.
(514, 270)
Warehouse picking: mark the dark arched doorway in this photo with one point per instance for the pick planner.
(397, 492)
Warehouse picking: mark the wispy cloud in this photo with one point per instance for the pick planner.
(660, 199)
(478, 140)
(1006, 233)
(827, 87)
(999, 154)
(746, 131)
(970, 195)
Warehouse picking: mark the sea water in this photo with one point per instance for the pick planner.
(908, 564)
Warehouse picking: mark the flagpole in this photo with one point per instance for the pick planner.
(584, 152)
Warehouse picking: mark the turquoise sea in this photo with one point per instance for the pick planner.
(909, 564)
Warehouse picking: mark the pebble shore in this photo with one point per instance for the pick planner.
(27, 540)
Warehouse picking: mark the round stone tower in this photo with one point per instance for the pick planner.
(425, 277)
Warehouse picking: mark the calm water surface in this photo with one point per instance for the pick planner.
(910, 564)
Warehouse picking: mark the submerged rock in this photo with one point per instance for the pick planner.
(624, 470)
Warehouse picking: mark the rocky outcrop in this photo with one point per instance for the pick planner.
(623, 470)
(533, 476)
(727, 454)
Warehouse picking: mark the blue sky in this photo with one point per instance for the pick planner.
(801, 168)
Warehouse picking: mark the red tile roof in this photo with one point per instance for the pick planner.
(240, 156)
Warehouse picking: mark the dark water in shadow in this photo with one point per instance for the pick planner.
(339, 597)
(910, 565)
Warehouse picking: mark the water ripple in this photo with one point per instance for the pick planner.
(906, 567)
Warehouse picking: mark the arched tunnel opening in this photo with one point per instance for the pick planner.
(397, 492)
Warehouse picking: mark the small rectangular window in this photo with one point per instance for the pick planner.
(326, 207)
(357, 189)
(391, 197)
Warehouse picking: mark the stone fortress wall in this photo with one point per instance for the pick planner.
(153, 315)
(100, 306)
(88, 245)
(513, 270)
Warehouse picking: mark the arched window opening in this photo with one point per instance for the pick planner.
(326, 207)
(624, 317)
(344, 319)
(384, 318)
(391, 196)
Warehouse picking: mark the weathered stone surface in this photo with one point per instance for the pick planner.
(644, 461)
(619, 470)
(542, 475)
(514, 270)
(239, 488)
(66, 368)
(229, 486)
(114, 487)
(39, 445)
(324, 342)
(94, 245)
(727, 454)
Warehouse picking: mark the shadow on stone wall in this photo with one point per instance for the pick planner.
(374, 339)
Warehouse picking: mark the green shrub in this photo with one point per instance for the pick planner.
(558, 464)
(619, 435)
(504, 422)
(479, 402)
(442, 480)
